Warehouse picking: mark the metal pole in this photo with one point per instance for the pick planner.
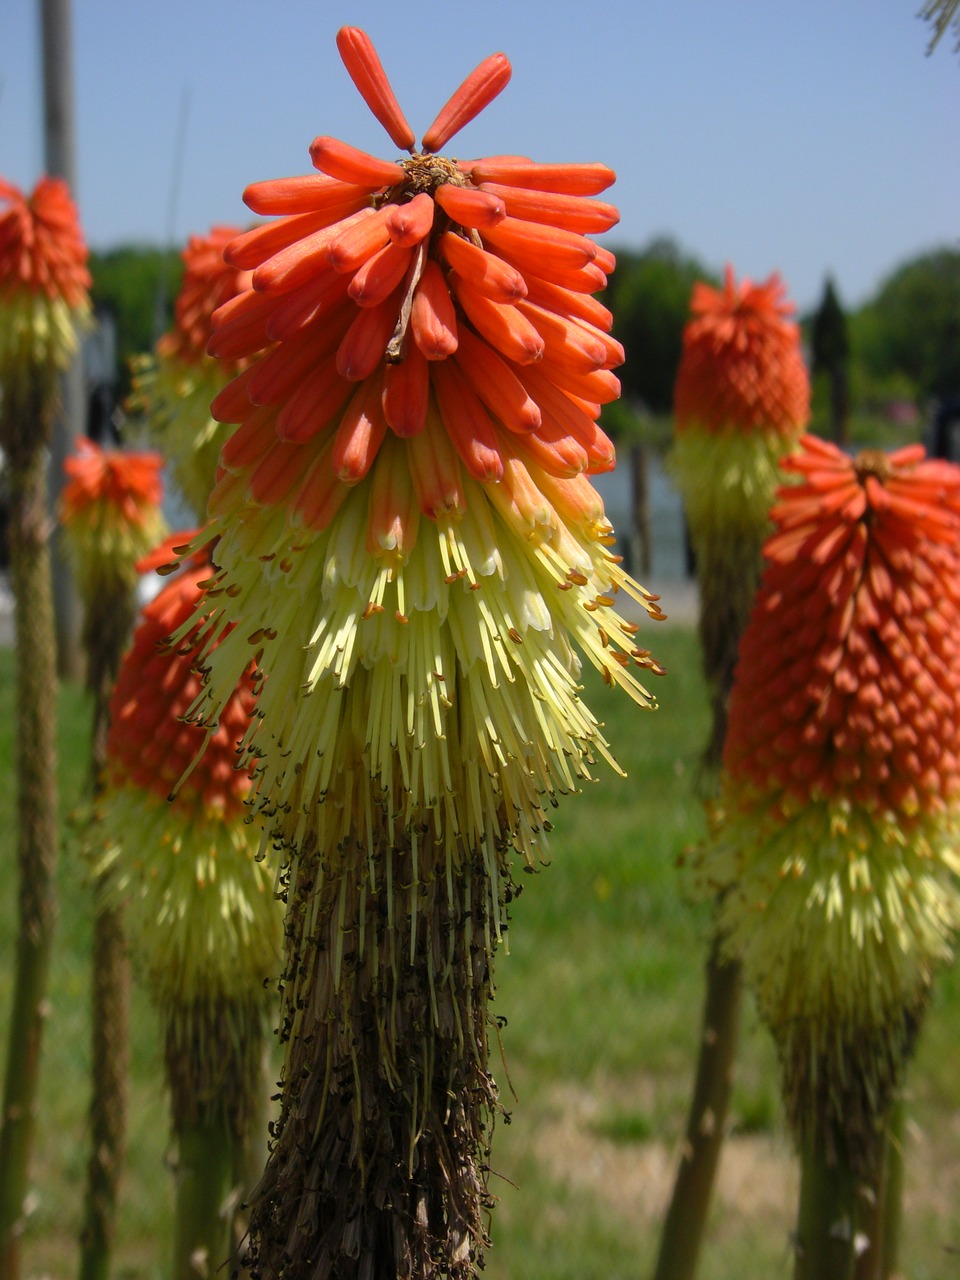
(60, 161)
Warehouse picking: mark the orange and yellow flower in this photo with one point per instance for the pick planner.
(174, 387)
(201, 912)
(741, 401)
(409, 548)
(840, 813)
(110, 509)
(406, 527)
(44, 281)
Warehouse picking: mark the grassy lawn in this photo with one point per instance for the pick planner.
(601, 991)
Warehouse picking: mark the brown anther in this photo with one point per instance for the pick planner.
(401, 617)
(604, 638)
(515, 635)
(371, 609)
(872, 462)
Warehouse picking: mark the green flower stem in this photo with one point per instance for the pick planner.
(214, 1059)
(686, 1218)
(204, 1202)
(106, 631)
(837, 1222)
(727, 589)
(109, 1071)
(36, 813)
(893, 1192)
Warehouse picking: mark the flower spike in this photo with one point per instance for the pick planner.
(410, 551)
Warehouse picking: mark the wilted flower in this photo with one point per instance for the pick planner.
(174, 387)
(837, 848)
(408, 547)
(43, 284)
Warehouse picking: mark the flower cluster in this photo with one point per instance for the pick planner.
(44, 280)
(110, 508)
(405, 523)
(200, 906)
(741, 400)
(174, 388)
(836, 851)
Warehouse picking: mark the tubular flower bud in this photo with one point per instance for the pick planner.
(836, 849)
(396, 552)
(44, 283)
(110, 508)
(741, 401)
(173, 388)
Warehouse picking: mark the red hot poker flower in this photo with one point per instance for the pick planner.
(44, 283)
(174, 388)
(130, 484)
(853, 654)
(208, 283)
(42, 249)
(150, 745)
(110, 507)
(742, 366)
(836, 848)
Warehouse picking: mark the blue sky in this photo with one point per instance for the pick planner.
(805, 136)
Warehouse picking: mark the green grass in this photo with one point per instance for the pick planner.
(601, 990)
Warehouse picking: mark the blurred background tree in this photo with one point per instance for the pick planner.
(829, 357)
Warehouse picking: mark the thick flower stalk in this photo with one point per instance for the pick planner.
(409, 548)
(837, 850)
(43, 302)
(110, 512)
(204, 924)
(741, 401)
(173, 388)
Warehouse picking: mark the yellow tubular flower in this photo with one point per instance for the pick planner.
(410, 551)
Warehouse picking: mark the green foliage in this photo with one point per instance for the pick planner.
(138, 284)
(911, 328)
(649, 295)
